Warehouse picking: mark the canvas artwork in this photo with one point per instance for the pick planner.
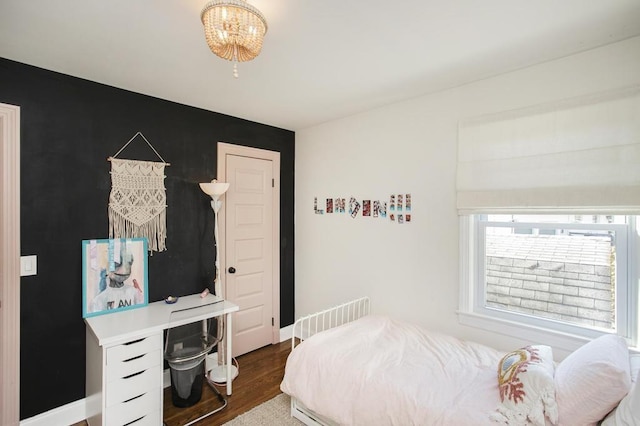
(114, 275)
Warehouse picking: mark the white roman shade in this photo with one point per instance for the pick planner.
(581, 154)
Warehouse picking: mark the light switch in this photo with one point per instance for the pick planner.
(28, 265)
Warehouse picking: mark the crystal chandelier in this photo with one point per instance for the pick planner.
(234, 30)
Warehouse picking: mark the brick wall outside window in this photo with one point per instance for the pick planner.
(563, 277)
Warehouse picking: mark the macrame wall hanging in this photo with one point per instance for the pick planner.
(138, 201)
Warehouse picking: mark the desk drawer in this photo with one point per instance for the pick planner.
(133, 349)
(128, 387)
(131, 366)
(142, 410)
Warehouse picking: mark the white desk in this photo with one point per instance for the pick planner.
(124, 358)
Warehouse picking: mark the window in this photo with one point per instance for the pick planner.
(578, 159)
(567, 273)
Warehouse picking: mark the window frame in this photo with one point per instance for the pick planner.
(472, 311)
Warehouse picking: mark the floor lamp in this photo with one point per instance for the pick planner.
(215, 190)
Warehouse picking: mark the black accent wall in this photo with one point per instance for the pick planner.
(69, 127)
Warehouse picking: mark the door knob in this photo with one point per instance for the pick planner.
(232, 270)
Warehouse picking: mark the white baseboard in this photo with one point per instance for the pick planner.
(68, 414)
(286, 333)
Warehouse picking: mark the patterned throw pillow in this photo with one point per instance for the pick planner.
(527, 394)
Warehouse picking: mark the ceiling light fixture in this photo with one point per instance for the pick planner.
(234, 30)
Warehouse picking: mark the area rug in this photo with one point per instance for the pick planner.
(276, 411)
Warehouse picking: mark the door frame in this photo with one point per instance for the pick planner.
(10, 265)
(225, 149)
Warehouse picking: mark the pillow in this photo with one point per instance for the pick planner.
(525, 380)
(592, 380)
(628, 411)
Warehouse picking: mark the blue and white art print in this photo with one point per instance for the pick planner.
(114, 275)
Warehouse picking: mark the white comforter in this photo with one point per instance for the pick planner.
(379, 371)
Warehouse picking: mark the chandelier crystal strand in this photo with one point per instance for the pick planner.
(234, 30)
(235, 62)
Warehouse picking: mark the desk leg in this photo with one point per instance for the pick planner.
(229, 360)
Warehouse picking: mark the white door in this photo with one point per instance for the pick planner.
(250, 250)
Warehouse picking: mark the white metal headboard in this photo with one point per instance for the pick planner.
(306, 327)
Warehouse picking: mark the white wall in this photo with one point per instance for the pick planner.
(411, 270)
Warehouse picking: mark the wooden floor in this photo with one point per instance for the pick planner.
(261, 372)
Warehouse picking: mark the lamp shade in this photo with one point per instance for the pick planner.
(214, 189)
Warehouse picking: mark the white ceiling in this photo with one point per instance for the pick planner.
(321, 60)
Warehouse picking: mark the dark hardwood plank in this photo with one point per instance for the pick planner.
(261, 372)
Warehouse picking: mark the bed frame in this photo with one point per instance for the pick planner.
(312, 324)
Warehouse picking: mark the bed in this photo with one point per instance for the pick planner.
(348, 367)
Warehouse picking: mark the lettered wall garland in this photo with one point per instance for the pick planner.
(137, 202)
(399, 207)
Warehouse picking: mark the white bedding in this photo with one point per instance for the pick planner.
(379, 371)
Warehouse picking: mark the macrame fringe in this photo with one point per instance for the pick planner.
(154, 230)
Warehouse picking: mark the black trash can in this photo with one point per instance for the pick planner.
(187, 377)
(185, 349)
